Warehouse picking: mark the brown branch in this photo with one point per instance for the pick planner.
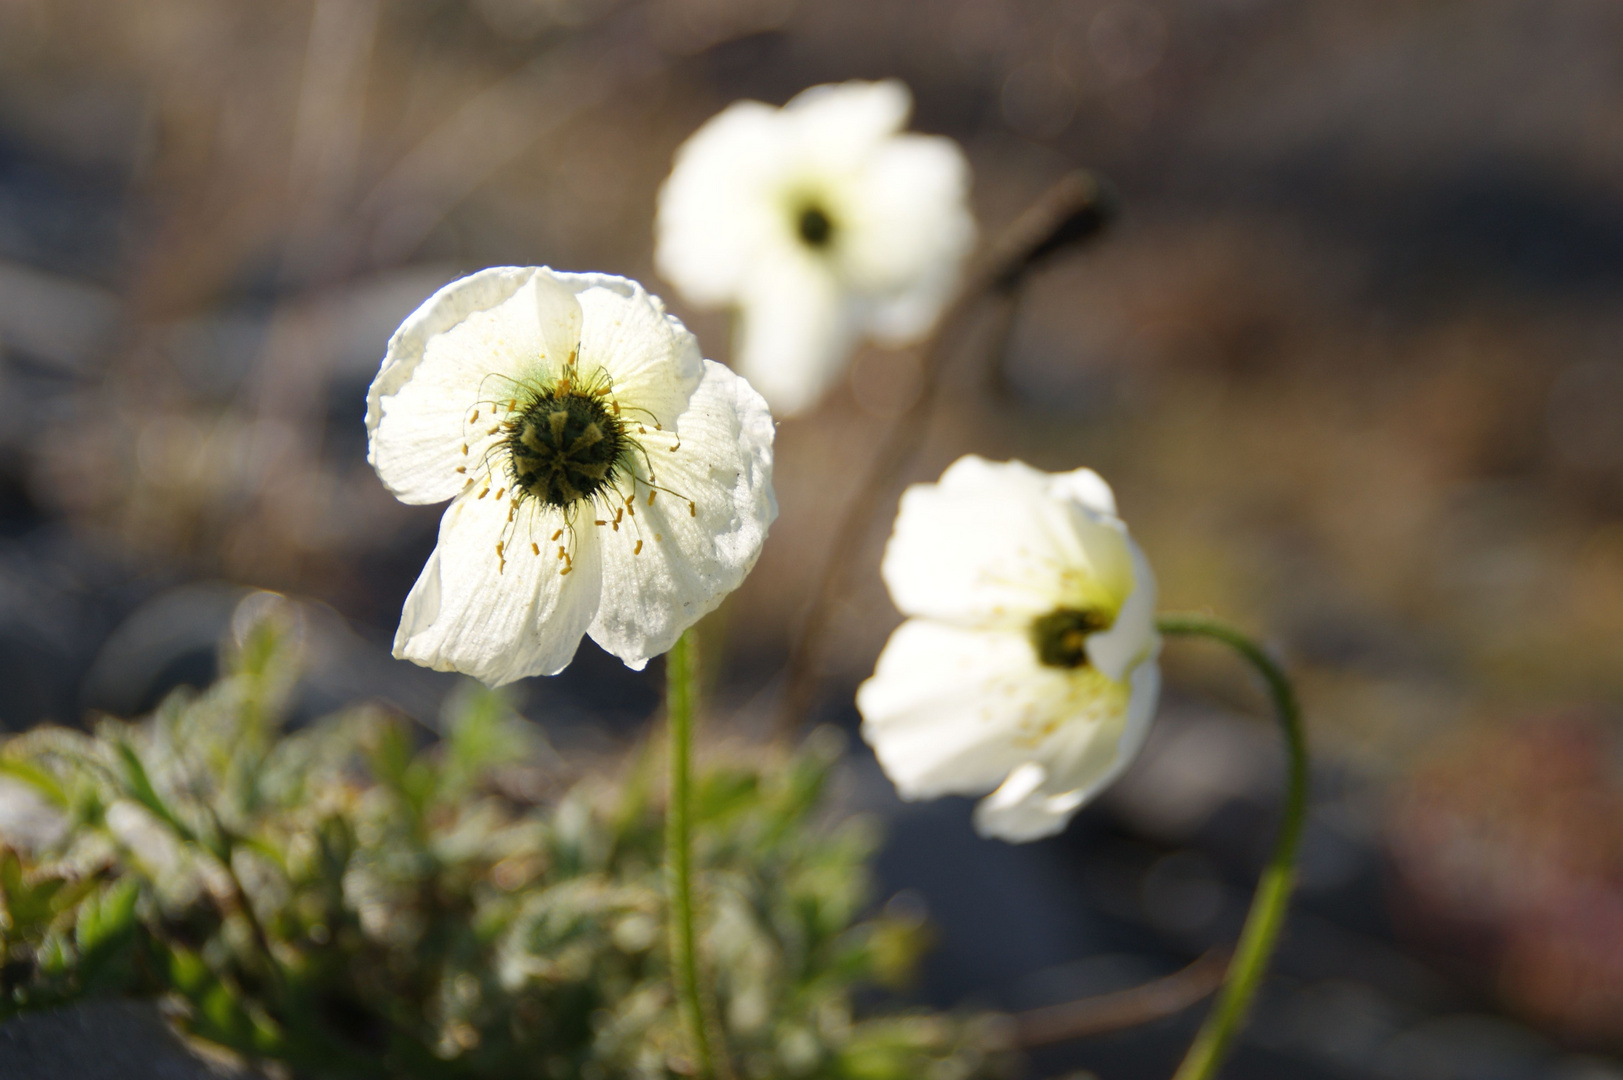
(1073, 211)
(1154, 1000)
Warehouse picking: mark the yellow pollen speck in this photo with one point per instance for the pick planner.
(599, 521)
(474, 417)
(483, 493)
(693, 509)
(560, 551)
(658, 537)
(534, 547)
(637, 550)
(464, 448)
(557, 534)
(461, 468)
(651, 495)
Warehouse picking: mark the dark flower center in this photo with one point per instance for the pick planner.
(815, 227)
(1061, 636)
(565, 447)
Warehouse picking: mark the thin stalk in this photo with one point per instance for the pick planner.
(1268, 907)
(680, 677)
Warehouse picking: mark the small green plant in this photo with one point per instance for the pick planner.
(353, 899)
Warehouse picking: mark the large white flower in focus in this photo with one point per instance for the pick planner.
(1028, 666)
(604, 478)
(821, 221)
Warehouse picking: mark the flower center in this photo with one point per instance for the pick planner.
(1061, 636)
(565, 447)
(815, 227)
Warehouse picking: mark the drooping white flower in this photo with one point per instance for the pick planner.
(1028, 666)
(821, 222)
(605, 478)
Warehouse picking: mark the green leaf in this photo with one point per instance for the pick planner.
(36, 778)
(106, 919)
(482, 734)
(722, 792)
(138, 785)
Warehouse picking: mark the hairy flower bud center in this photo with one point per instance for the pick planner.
(565, 447)
(1061, 636)
(815, 226)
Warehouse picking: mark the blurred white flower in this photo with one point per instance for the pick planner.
(821, 222)
(605, 478)
(1028, 666)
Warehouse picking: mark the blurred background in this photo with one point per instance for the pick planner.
(1350, 358)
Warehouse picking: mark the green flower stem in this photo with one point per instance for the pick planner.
(1268, 906)
(680, 677)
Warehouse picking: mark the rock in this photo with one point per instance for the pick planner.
(106, 1040)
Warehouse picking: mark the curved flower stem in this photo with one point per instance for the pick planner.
(680, 667)
(1268, 906)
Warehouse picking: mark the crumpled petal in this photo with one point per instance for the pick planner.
(500, 617)
(699, 538)
(717, 210)
(1132, 637)
(990, 545)
(654, 360)
(909, 233)
(1040, 797)
(838, 126)
(467, 342)
(793, 333)
(951, 711)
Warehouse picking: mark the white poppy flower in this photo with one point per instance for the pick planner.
(821, 222)
(1028, 667)
(605, 478)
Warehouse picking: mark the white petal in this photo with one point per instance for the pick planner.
(988, 545)
(500, 618)
(837, 126)
(908, 232)
(1022, 810)
(1132, 637)
(953, 711)
(654, 360)
(1041, 796)
(794, 332)
(465, 344)
(719, 205)
(1085, 487)
(689, 558)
